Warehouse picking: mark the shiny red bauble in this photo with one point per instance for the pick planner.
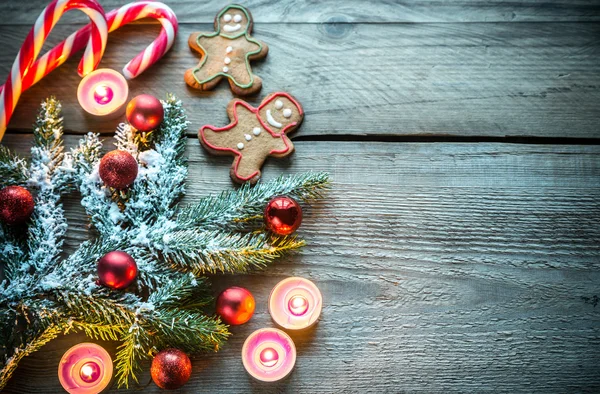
(171, 369)
(283, 215)
(118, 169)
(16, 205)
(117, 270)
(235, 305)
(145, 112)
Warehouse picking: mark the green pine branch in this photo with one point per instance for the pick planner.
(25, 350)
(202, 252)
(173, 247)
(243, 208)
(13, 169)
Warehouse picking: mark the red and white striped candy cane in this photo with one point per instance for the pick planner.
(96, 42)
(115, 19)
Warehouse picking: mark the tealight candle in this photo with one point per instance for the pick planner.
(269, 354)
(85, 369)
(295, 303)
(103, 92)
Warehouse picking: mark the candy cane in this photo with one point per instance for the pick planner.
(115, 19)
(96, 42)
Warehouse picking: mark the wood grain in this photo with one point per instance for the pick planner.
(444, 267)
(381, 11)
(469, 80)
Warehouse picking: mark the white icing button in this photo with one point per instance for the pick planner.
(228, 49)
(240, 146)
(287, 112)
(225, 69)
(278, 104)
(227, 60)
(237, 18)
(227, 18)
(256, 130)
(248, 137)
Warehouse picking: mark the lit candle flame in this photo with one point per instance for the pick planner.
(268, 357)
(298, 305)
(103, 94)
(89, 372)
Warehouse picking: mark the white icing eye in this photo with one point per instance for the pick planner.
(240, 146)
(248, 137)
(227, 18)
(278, 104)
(256, 130)
(237, 18)
(287, 112)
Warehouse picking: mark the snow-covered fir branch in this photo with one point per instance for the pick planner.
(172, 247)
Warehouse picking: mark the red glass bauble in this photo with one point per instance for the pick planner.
(283, 215)
(145, 112)
(171, 369)
(117, 270)
(16, 205)
(118, 169)
(235, 305)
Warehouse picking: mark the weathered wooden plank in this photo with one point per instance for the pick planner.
(444, 267)
(294, 11)
(470, 80)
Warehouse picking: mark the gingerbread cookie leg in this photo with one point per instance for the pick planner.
(193, 76)
(246, 168)
(255, 87)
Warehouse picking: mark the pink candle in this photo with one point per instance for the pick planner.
(295, 303)
(85, 369)
(269, 354)
(103, 92)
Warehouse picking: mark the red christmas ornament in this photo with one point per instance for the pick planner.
(118, 169)
(117, 270)
(235, 305)
(171, 369)
(16, 205)
(145, 112)
(283, 215)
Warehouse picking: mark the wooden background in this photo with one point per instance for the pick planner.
(460, 247)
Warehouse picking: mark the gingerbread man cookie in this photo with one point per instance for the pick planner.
(226, 53)
(254, 134)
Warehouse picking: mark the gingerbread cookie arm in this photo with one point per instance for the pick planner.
(262, 53)
(193, 43)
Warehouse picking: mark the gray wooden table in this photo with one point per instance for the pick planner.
(460, 247)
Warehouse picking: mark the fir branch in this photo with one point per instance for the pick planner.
(47, 154)
(135, 348)
(161, 177)
(243, 208)
(96, 199)
(184, 291)
(25, 350)
(192, 332)
(13, 169)
(202, 252)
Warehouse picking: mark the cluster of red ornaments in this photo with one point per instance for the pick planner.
(118, 169)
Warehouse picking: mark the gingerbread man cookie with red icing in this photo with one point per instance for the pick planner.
(254, 134)
(226, 53)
